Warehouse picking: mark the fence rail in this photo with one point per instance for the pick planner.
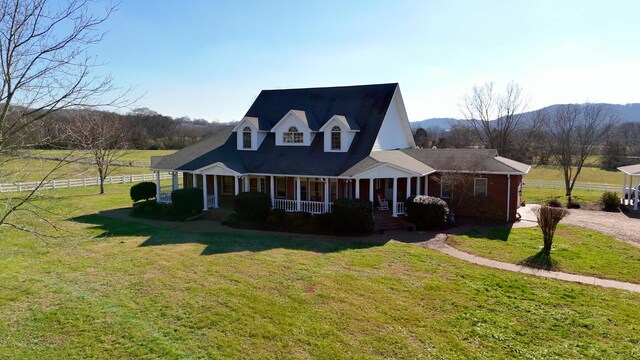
(550, 184)
(84, 160)
(69, 183)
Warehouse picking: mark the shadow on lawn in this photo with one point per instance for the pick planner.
(541, 260)
(499, 233)
(216, 241)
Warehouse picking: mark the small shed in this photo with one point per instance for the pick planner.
(630, 192)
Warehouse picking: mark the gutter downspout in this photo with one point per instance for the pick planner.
(508, 195)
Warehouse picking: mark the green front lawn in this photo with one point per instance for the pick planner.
(575, 250)
(123, 289)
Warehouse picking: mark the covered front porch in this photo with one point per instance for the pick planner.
(315, 195)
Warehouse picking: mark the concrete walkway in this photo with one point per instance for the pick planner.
(438, 244)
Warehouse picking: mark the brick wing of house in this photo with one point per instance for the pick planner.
(308, 147)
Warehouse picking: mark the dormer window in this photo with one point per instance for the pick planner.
(293, 136)
(336, 139)
(246, 138)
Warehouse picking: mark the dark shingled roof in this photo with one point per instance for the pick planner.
(365, 105)
(185, 155)
(475, 160)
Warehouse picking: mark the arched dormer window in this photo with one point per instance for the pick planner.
(293, 136)
(336, 138)
(246, 138)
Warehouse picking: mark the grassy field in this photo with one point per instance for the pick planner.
(575, 250)
(130, 155)
(588, 174)
(27, 169)
(535, 195)
(123, 289)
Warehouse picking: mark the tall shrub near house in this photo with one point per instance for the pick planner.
(252, 206)
(427, 212)
(352, 216)
(143, 191)
(187, 201)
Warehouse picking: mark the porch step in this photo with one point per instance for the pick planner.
(387, 222)
(216, 214)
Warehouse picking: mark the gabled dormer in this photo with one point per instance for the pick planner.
(296, 128)
(338, 133)
(249, 136)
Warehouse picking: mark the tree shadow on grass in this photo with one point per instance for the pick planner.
(216, 242)
(499, 233)
(541, 260)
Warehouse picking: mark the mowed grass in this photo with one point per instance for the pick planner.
(26, 169)
(129, 155)
(536, 195)
(587, 174)
(575, 250)
(124, 289)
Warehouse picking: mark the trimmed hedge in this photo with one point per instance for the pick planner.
(427, 212)
(187, 201)
(352, 216)
(252, 206)
(143, 191)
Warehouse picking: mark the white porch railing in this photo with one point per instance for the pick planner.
(400, 208)
(211, 201)
(314, 207)
(165, 197)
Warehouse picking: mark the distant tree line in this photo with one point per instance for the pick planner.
(141, 129)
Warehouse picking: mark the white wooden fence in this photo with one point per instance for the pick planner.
(69, 183)
(549, 184)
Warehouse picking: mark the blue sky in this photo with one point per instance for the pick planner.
(210, 59)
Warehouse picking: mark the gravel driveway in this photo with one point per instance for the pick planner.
(618, 225)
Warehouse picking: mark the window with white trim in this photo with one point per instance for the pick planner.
(336, 135)
(480, 187)
(445, 189)
(246, 138)
(293, 136)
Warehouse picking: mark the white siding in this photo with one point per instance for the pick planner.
(395, 132)
(346, 136)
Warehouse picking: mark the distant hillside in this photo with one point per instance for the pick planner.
(627, 113)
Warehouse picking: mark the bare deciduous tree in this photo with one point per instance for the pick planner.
(44, 68)
(495, 119)
(574, 134)
(103, 135)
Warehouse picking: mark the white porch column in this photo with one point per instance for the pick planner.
(157, 186)
(624, 184)
(174, 180)
(215, 191)
(298, 195)
(194, 180)
(426, 185)
(371, 191)
(635, 200)
(326, 195)
(236, 185)
(630, 187)
(204, 192)
(357, 189)
(408, 189)
(272, 186)
(245, 183)
(394, 211)
(418, 185)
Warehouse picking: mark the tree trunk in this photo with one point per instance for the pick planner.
(101, 185)
(548, 241)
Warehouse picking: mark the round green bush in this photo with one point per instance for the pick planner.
(427, 212)
(276, 217)
(187, 201)
(143, 191)
(352, 216)
(610, 201)
(252, 206)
